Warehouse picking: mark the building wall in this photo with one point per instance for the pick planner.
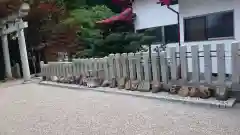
(151, 14)
(189, 8)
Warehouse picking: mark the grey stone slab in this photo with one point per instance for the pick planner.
(164, 67)
(235, 62)
(122, 82)
(132, 69)
(147, 67)
(173, 65)
(184, 63)
(195, 64)
(128, 85)
(125, 65)
(207, 64)
(156, 86)
(235, 87)
(134, 84)
(118, 66)
(221, 63)
(139, 67)
(106, 68)
(155, 67)
(222, 93)
(111, 66)
(144, 86)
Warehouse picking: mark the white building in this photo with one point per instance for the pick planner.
(201, 22)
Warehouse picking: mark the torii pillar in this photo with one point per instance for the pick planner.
(23, 53)
(16, 24)
(7, 63)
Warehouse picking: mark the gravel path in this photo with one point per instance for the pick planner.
(33, 109)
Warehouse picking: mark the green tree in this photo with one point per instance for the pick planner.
(119, 40)
(85, 18)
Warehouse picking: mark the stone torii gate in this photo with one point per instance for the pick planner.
(11, 24)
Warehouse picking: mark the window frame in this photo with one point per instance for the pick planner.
(206, 29)
(165, 40)
(163, 34)
(144, 29)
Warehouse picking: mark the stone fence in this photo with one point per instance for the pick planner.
(164, 71)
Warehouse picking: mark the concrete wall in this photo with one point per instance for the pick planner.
(191, 8)
(151, 14)
(147, 12)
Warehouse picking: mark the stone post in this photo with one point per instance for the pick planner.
(85, 61)
(95, 67)
(155, 67)
(139, 67)
(118, 68)
(132, 84)
(145, 85)
(23, 54)
(42, 69)
(156, 85)
(6, 55)
(132, 69)
(101, 69)
(125, 64)
(106, 69)
(112, 71)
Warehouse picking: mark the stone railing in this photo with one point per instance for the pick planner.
(165, 71)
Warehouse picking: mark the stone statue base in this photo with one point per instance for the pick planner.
(174, 89)
(222, 93)
(121, 82)
(106, 83)
(134, 85)
(113, 83)
(144, 86)
(156, 86)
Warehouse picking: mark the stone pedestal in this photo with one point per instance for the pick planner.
(222, 93)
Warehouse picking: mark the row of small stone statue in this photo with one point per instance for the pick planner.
(144, 86)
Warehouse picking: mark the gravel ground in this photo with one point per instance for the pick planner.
(33, 109)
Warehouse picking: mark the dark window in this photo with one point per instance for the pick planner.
(220, 25)
(195, 29)
(171, 33)
(155, 31)
(173, 2)
(217, 25)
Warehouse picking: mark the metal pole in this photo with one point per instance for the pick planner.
(178, 19)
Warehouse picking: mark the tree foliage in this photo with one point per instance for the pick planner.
(97, 44)
(85, 18)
